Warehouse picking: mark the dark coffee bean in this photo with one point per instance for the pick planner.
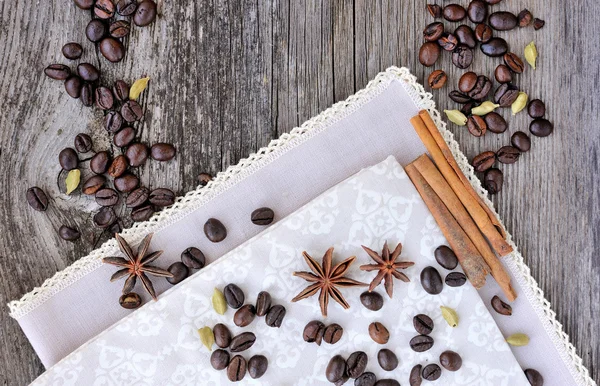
(105, 217)
(495, 122)
(112, 49)
(421, 343)
(437, 79)
(95, 30)
(462, 56)
(431, 372)
(336, 369)
(236, 371)
(446, 257)
(448, 41)
(99, 162)
(503, 74)
(257, 366)
(124, 136)
(423, 324)
(214, 230)
(508, 155)
(342, 381)
(467, 82)
(72, 51)
(137, 197)
(142, 213)
(459, 97)
(371, 300)
(483, 33)
(379, 333)
(454, 12)
(495, 47)
(113, 121)
(366, 379)
(493, 180)
(356, 364)
(429, 53)
(73, 86)
(477, 11)
(119, 29)
(467, 107)
(263, 303)
(82, 143)
(162, 151)
(434, 10)
(162, 197)
(145, 13)
(415, 378)
(114, 228)
(450, 360)
(262, 216)
(482, 88)
(455, 279)
(68, 159)
(506, 94)
(538, 24)
(524, 18)
(132, 111)
(433, 32)
(126, 183)
(104, 98)
(275, 316)
(503, 21)
(126, 7)
(536, 108)
(387, 359)
(234, 296)
(107, 197)
(219, 359)
(92, 185)
(333, 333)
(431, 280)
(179, 271)
(130, 301)
(492, 2)
(465, 35)
(387, 382)
(521, 141)
(534, 377)
(192, 257)
(541, 127)
(84, 4)
(222, 335)
(242, 342)
(513, 62)
(204, 179)
(500, 307)
(137, 154)
(313, 332)
(68, 234)
(37, 199)
(121, 90)
(118, 166)
(104, 9)
(476, 126)
(483, 162)
(57, 71)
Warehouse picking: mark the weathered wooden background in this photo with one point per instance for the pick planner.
(229, 76)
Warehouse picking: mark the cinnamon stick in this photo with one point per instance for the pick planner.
(473, 206)
(470, 260)
(440, 186)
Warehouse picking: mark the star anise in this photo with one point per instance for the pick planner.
(387, 267)
(136, 265)
(327, 279)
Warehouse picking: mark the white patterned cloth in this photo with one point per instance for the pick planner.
(159, 345)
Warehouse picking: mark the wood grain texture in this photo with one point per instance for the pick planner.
(228, 76)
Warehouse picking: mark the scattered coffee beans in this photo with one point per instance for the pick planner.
(107, 197)
(142, 213)
(126, 183)
(455, 279)
(242, 342)
(118, 167)
(476, 126)
(513, 62)
(130, 301)
(429, 53)
(257, 366)
(454, 12)
(506, 94)
(137, 154)
(68, 234)
(99, 162)
(336, 369)
(431, 372)
(493, 180)
(500, 307)
(534, 377)
(477, 11)
(222, 335)
(450, 360)
(434, 10)
(433, 32)
(162, 151)
(423, 324)
(83, 143)
(387, 359)
(275, 315)
(234, 296)
(508, 155)
(484, 161)
(214, 230)
(431, 281)
(503, 74)
(263, 303)
(72, 51)
(119, 29)
(236, 370)
(356, 364)
(84, 4)
(495, 122)
(494, 47)
(333, 333)
(93, 184)
(137, 197)
(538, 24)
(162, 197)
(96, 30)
(371, 300)
(104, 9)
(145, 13)
(415, 378)
(524, 17)
(387, 382)
(421, 343)
(262, 216)
(244, 315)
(219, 359)
(379, 333)
(465, 35)
(536, 108)
(124, 137)
(503, 21)
(313, 332)
(483, 33)
(37, 199)
(521, 141)
(57, 71)
(104, 98)
(541, 127)
(366, 379)
(105, 217)
(68, 159)
(126, 7)
(462, 56)
(467, 82)
(179, 271)
(448, 41)
(113, 50)
(113, 121)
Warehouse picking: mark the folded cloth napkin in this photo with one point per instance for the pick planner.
(159, 345)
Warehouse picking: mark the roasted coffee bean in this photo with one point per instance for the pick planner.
(124, 136)
(415, 378)
(524, 18)
(214, 230)
(82, 143)
(95, 30)
(105, 217)
(257, 366)
(423, 324)
(142, 213)
(538, 24)
(454, 12)
(433, 32)
(137, 197)
(99, 162)
(448, 41)
(126, 183)
(37, 199)
(455, 279)
(136, 154)
(113, 121)
(366, 379)
(118, 166)
(434, 10)
(73, 86)
(336, 369)
(104, 98)
(126, 7)
(242, 342)
(483, 33)
(421, 343)
(387, 359)
(121, 90)
(72, 51)
(342, 381)
(495, 47)
(467, 107)
(492, 2)
(477, 11)
(130, 301)
(459, 97)
(484, 161)
(87, 95)
(162, 151)
(493, 180)
(112, 49)
(503, 21)
(222, 335)
(503, 74)
(219, 359)
(534, 377)
(446, 257)
(500, 307)
(179, 271)
(236, 370)
(356, 364)
(244, 315)
(313, 332)
(107, 197)
(57, 71)
(437, 79)
(536, 108)
(462, 56)
(379, 333)
(104, 9)
(521, 141)
(482, 88)
(476, 126)
(387, 382)
(68, 234)
(234, 296)
(68, 159)
(450, 360)
(371, 300)
(429, 53)
(495, 122)
(333, 333)
(162, 197)
(541, 127)
(506, 94)
(84, 4)
(114, 228)
(467, 82)
(465, 35)
(513, 62)
(275, 316)
(119, 29)
(431, 372)
(508, 155)
(145, 13)
(262, 216)
(132, 111)
(431, 281)
(192, 257)
(204, 179)
(263, 303)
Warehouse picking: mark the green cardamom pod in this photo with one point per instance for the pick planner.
(518, 339)
(207, 337)
(456, 116)
(450, 316)
(519, 103)
(484, 108)
(219, 303)
(531, 54)
(72, 180)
